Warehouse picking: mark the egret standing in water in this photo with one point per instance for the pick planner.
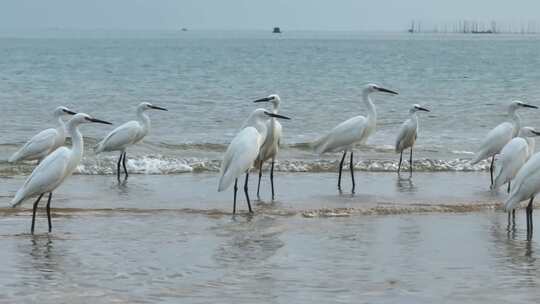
(525, 187)
(127, 135)
(55, 168)
(46, 141)
(407, 135)
(270, 147)
(514, 155)
(352, 131)
(243, 151)
(501, 135)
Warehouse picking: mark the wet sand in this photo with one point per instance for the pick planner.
(172, 238)
(296, 192)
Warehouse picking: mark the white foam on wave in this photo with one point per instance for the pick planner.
(158, 164)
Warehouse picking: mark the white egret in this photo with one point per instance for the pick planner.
(407, 135)
(243, 151)
(525, 187)
(127, 134)
(513, 156)
(501, 135)
(270, 147)
(352, 131)
(55, 168)
(46, 141)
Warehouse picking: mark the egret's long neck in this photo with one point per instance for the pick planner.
(414, 117)
(516, 121)
(531, 143)
(275, 108)
(77, 143)
(144, 120)
(372, 112)
(61, 126)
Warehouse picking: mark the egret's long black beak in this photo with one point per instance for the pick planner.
(422, 109)
(276, 115)
(158, 108)
(69, 112)
(387, 91)
(266, 99)
(529, 106)
(98, 121)
(535, 133)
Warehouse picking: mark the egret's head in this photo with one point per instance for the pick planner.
(61, 111)
(374, 88)
(516, 104)
(143, 106)
(417, 107)
(274, 99)
(81, 118)
(528, 132)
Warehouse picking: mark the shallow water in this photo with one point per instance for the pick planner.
(167, 237)
(145, 257)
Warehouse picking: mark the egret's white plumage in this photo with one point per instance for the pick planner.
(270, 146)
(56, 167)
(514, 155)
(526, 184)
(240, 155)
(353, 131)
(243, 151)
(128, 134)
(501, 134)
(46, 141)
(408, 133)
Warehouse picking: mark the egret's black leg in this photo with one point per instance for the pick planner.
(259, 183)
(235, 191)
(529, 215)
(514, 215)
(34, 213)
(49, 211)
(118, 166)
(400, 160)
(272, 179)
(491, 168)
(124, 164)
(351, 165)
(341, 168)
(410, 162)
(246, 192)
(508, 189)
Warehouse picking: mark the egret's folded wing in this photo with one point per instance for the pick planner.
(40, 143)
(343, 135)
(406, 134)
(494, 141)
(46, 176)
(239, 157)
(120, 137)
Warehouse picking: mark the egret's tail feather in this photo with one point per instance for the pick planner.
(225, 181)
(478, 157)
(19, 198)
(98, 148)
(15, 157)
(514, 198)
(319, 146)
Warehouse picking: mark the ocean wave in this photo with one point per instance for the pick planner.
(158, 164)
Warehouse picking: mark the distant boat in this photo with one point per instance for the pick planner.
(184, 29)
(276, 30)
(482, 32)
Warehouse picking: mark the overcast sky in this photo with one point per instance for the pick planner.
(386, 15)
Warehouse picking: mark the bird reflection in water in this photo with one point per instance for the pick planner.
(405, 184)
